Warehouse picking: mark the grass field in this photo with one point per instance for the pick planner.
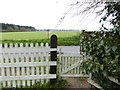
(64, 37)
(37, 35)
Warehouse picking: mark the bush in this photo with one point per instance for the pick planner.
(104, 48)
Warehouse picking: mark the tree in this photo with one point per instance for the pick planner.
(111, 10)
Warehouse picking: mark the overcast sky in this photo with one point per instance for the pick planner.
(45, 14)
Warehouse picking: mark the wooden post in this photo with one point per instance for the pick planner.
(53, 54)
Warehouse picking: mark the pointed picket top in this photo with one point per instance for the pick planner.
(11, 45)
(26, 45)
(36, 45)
(21, 44)
(0, 49)
(31, 45)
(42, 44)
(46, 44)
(5, 45)
(0, 45)
(16, 45)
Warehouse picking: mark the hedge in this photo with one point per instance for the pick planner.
(104, 48)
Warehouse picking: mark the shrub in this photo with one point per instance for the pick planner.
(104, 48)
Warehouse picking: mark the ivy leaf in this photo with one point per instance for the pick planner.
(114, 48)
(93, 35)
(97, 69)
(101, 42)
(114, 71)
(106, 47)
(105, 74)
(117, 56)
(102, 67)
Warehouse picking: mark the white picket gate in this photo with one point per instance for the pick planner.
(24, 66)
(69, 65)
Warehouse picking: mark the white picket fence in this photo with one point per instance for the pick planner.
(27, 65)
(69, 65)
(24, 66)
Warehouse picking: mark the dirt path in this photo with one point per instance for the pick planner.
(78, 83)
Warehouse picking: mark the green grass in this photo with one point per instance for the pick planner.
(36, 35)
(66, 38)
(38, 86)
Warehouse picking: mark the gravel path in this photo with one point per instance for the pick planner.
(78, 83)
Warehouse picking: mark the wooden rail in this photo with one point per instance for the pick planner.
(114, 80)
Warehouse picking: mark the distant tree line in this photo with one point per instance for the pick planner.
(16, 28)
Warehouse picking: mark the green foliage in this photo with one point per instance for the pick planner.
(104, 49)
(112, 9)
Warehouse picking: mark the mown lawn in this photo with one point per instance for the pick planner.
(36, 35)
(66, 38)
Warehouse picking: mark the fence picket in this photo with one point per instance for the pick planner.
(13, 70)
(42, 70)
(72, 61)
(36, 45)
(59, 63)
(11, 45)
(31, 45)
(32, 61)
(62, 59)
(41, 44)
(22, 68)
(69, 63)
(26, 45)
(5, 45)
(17, 56)
(16, 45)
(47, 59)
(76, 59)
(21, 45)
(66, 63)
(0, 46)
(3, 72)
